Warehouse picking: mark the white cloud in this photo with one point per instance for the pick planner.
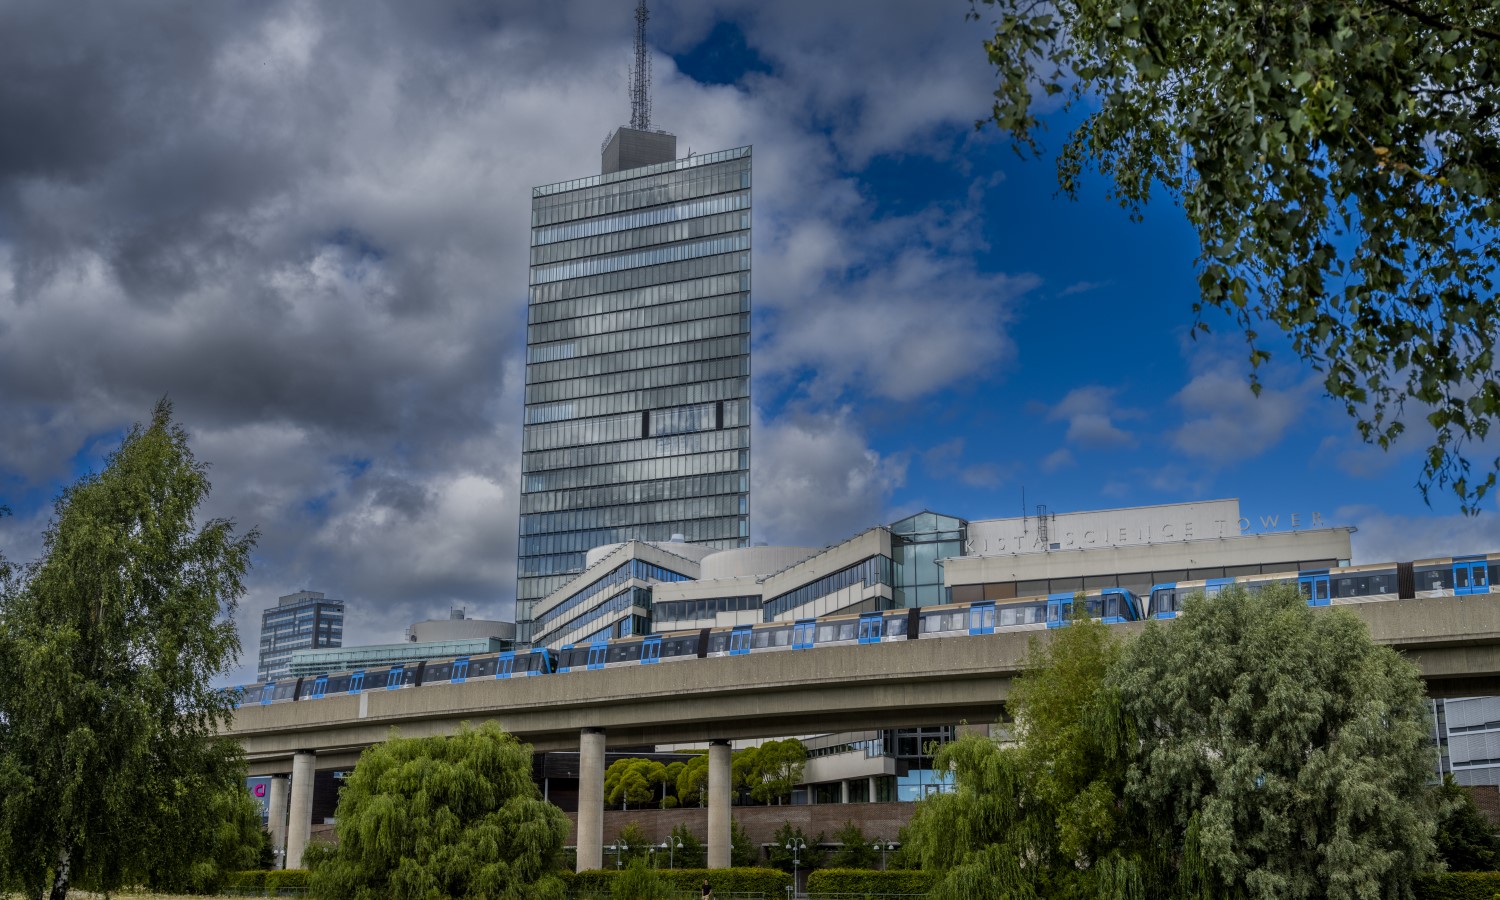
(1387, 537)
(816, 481)
(1224, 422)
(1090, 412)
(309, 226)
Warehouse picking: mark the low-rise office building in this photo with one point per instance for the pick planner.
(922, 560)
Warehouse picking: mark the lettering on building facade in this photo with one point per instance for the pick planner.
(1026, 541)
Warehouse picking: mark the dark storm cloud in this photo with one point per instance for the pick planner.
(307, 224)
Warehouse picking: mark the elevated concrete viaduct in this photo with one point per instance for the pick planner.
(1454, 642)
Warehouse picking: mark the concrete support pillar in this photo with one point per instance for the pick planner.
(873, 798)
(843, 792)
(591, 799)
(276, 819)
(299, 812)
(718, 804)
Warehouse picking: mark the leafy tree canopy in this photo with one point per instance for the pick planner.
(1056, 799)
(691, 855)
(810, 856)
(856, 850)
(692, 779)
(742, 851)
(1280, 748)
(1253, 748)
(1465, 839)
(770, 771)
(451, 816)
(1340, 162)
(110, 764)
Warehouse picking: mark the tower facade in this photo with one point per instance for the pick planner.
(306, 620)
(637, 419)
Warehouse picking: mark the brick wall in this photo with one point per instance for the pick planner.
(1487, 798)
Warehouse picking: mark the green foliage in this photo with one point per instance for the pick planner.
(635, 782)
(246, 881)
(1281, 752)
(864, 882)
(856, 850)
(1465, 839)
(692, 780)
(770, 771)
(638, 882)
(1254, 748)
(766, 882)
(811, 856)
(279, 880)
(742, 851)
(1458, 886)
(634, 837)
(1056, 800)
(111, 765)
(1339, 161)
(444, 817)
(692, 854)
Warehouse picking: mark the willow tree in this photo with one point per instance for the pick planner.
(451, 816)
(1340, 162)
(1048, 816)
(1281, 753)
(108, 645)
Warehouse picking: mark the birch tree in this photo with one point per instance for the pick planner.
(108, 646)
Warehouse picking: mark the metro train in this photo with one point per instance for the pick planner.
(1450, 577)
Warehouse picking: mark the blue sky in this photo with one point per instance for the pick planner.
(309, 228)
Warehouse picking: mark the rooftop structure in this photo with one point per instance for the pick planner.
(305, 620)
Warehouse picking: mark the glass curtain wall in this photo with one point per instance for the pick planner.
(637, 419)
(917, 543)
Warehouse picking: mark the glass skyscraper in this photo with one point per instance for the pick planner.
(637, 422)
(305, 620)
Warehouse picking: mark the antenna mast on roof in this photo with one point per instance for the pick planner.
(640, 78)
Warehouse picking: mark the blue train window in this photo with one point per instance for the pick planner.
(739, 640)
(1315, 588)
(319, 688)
(869, 628)
(1470, 576)
(982, 618)
(460, 670)
(802, 634)
(597, 653)
(356, 682)
(267, 693)
(393, 678)
(651, 649)
(507, 665)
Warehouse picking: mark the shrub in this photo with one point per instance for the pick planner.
(768, 882)
(252, 880)
(861, 882)
(1457, 886)
(296, 879)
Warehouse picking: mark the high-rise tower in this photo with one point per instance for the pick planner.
(637, 422)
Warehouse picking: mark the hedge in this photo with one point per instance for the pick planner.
(278, 879)
(861, 882)
(1457, 886)
(251, 880)
(770, 882)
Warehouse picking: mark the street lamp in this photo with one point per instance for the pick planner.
(883, 845)
(672, 845)
(796, 845)
(620, 848)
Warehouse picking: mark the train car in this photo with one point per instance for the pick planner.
(1446, 577)
(1459, 576)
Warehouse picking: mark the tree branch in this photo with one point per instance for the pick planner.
(1428, 19)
